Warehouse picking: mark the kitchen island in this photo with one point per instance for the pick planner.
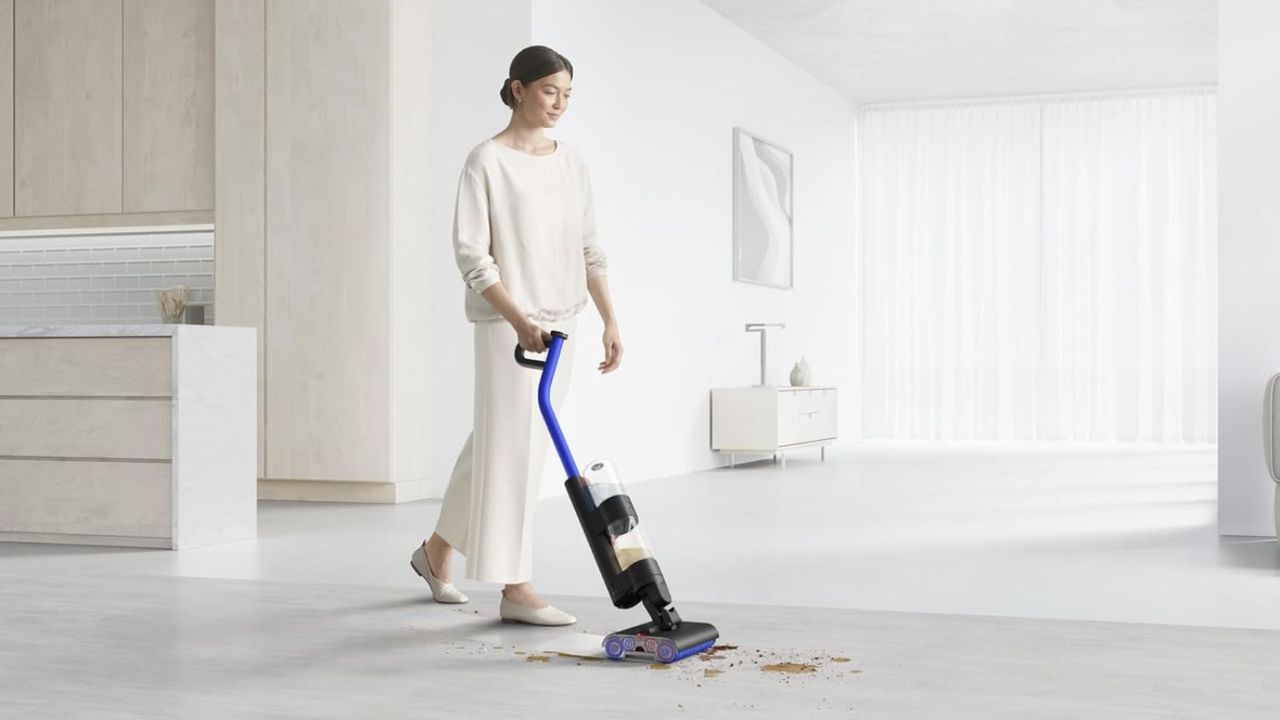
(132, 435)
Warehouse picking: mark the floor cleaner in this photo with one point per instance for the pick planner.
(612, 528)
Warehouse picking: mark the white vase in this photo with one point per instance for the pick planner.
(801, 375)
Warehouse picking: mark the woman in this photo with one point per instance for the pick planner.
(524, 237)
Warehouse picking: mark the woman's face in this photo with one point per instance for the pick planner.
(546, 99)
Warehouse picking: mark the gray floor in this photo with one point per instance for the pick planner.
(321, 617)
(172, 647)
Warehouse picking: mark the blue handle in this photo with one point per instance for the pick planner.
(544, 397)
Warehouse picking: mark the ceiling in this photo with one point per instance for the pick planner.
(903, 50)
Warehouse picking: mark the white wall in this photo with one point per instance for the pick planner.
(658, 89)
(1249, 255)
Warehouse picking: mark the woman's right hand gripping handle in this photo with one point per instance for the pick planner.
(531, 336)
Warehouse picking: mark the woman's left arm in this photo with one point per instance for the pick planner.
(598, 286)
(596, 264)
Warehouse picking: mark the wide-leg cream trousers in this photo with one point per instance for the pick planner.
(489, 506)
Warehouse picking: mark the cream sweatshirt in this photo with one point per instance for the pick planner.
(527, 220)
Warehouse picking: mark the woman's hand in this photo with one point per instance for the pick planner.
(532, 337)
(612, 349)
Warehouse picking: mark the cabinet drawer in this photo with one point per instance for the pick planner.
(86, 428)
(815, 400)
(816, 415)
(113, 366)
(817, 426)
(131, 499)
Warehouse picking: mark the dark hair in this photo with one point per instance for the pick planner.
(530, 65)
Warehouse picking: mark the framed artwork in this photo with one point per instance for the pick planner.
(762, 200)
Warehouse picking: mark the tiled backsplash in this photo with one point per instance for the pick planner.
(101, 278)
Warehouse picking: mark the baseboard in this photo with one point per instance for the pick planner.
(344, 491)
(84, 539)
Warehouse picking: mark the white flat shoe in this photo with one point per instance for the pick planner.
(443, 592)
(514, 613)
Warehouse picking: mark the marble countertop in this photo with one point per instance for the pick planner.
(134, 330)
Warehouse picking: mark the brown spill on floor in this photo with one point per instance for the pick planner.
(659, 666)
(790, 667)
(538, 658)
(709, 655)
(712, 672)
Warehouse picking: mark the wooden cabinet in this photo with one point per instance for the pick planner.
(772, 419)
(112, 109)
(168, 105)
(328, 179)
(86, 440)
(67, 107)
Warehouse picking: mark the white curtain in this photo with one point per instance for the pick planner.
(1040, 270)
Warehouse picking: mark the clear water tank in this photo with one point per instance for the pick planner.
(629, 544)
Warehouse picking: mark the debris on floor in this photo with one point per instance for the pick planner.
(723, 662)
(711, 654)
(790, 667)
(717, 665)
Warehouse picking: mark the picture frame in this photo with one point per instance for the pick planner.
(763, 218)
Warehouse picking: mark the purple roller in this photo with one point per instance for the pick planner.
(613, 647)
